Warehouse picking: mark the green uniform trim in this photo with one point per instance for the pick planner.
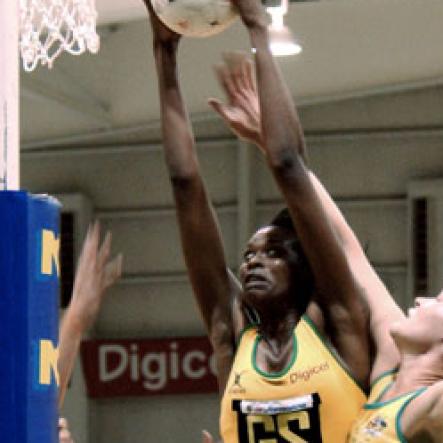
(379, 404)
(383, 375)
(333, 352)
(383, 392)
(284, 371)
(400, 434)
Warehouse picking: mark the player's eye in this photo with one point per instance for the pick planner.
(248, 255)
(274, 252)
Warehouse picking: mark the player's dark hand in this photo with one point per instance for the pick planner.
(162, 35)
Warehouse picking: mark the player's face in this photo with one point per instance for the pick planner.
(268, 265)
(424, 323)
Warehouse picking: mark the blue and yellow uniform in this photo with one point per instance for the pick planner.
(380, 421)
(314, 399)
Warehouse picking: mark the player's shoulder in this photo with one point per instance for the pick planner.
(436, 404)
(315, 316)
(426, 413)
(430, 399)
(433, 418)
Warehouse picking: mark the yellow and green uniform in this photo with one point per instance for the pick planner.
(380, 421)
(314, 399)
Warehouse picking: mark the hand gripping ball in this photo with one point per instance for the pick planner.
(195, 18)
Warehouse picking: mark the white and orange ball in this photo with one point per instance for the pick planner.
(195, 18)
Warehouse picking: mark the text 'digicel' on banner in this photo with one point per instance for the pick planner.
(140, 367)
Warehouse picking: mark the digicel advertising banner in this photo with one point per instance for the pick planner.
(140, 367)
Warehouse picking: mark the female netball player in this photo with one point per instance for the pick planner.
(284, 358)
(405, 403)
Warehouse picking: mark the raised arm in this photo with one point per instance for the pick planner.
(241, 113)
(346, 318)
(96, 272)
(213, 285)
(383, 309)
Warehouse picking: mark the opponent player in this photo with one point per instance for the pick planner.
(284, 356)
(95, 273)
(407, 405)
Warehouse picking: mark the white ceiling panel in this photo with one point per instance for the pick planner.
(111, 11)
(350, 47)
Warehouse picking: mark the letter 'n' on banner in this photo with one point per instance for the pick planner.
(29, 268)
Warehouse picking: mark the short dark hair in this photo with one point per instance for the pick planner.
(305, 278)
(283, 220)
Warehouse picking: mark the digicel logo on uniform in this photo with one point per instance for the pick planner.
(149, 366)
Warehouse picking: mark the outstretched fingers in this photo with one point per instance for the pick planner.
(249, 74)
(113, 271)
(236, 63)
(226, 81)
(89, 249)
(220, 108)
(232, 115)
(93, 240)
(105, 250)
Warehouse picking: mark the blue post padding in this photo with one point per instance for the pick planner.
(28, 318)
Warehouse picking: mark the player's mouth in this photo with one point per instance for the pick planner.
(255, 280)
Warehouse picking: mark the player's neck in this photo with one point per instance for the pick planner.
(278, 326)
(276, 347)
(416, 371)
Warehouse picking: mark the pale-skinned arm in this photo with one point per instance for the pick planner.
(241, 113)
(96, 272)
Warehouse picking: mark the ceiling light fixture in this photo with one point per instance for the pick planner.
(282, 41)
